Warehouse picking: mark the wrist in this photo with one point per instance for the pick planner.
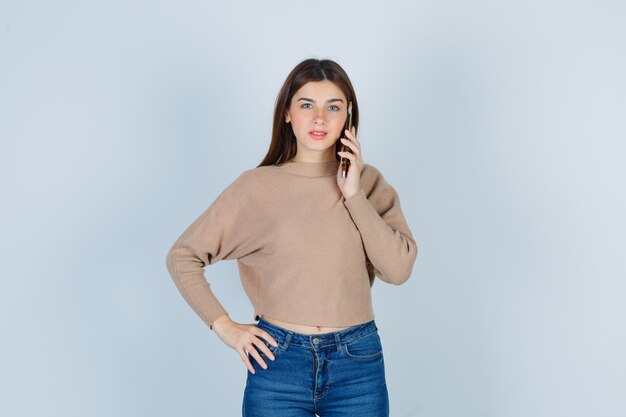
(221, 321)
(348, 195)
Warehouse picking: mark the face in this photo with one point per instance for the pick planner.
(318, 106)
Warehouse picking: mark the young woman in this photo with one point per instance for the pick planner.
(308, 244)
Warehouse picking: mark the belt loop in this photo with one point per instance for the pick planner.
(287, 340)
(338, 341)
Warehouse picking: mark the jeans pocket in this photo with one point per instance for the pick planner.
(367, 347)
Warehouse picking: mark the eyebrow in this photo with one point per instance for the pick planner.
(331, 100)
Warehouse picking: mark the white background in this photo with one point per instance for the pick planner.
(501, 125)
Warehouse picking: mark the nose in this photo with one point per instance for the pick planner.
(319, 117)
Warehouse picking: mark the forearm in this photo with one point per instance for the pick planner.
(188, 274)
(392, 251)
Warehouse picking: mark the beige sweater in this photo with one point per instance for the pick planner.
(305, 254)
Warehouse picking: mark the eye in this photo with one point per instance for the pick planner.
(336, 108)
(306, 104)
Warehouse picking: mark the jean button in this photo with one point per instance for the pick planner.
(316, 341)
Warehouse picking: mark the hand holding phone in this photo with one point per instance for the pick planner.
(345, 162)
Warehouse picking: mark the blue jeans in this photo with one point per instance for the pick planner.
(330, 374)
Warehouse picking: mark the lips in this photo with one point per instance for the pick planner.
(318, 134)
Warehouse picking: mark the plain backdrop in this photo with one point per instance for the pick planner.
(500, 124)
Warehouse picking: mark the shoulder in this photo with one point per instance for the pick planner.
(379, 192)
(256, 177)
(370, 171)
(251, 180)
(372, 177)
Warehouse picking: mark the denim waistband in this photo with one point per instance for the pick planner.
(317, 341)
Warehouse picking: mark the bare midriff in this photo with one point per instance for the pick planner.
(301, 328)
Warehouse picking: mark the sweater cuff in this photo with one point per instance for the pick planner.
(213, 320)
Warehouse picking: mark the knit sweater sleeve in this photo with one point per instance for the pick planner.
(222, 231)
(388, 242)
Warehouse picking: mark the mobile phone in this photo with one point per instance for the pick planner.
(345, 162)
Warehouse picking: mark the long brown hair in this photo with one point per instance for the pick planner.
(284, 145)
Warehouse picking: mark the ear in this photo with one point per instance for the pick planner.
(287, 118)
